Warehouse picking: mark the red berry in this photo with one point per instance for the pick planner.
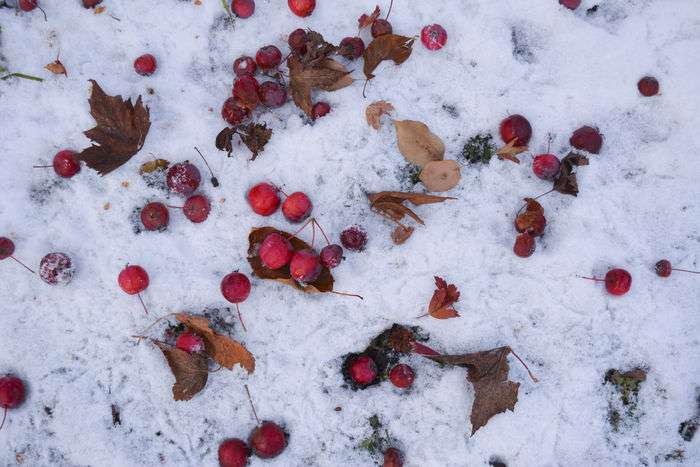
(272, 94)
(56, 268)
(267, 440)
(320, 109)
(351, 47)
(28, 5)
(264, 199)
(7, 248)
(297, 207)
(297, 41)
(275, 251)
(65, 164)
(244, 66)
(246, 89)
(196, 208)
(381, 27)
(12, 392)
(570, 4)
(302, 8)
(189, 342)
(402, 376)
(354, 238)
(663, 268)
(524, 245)
(546, 166)
(393, 458)
(648, 86)
(183, 178)
(243, 8)
(133, 279)
(516, 127)
(233, 111)
(331, 256)
(154, 216)
(268, 57)
(145, 65)
(618, 282)
(233, 453)
(305, 266)
(235, 287)
(91, 3)
(363, 370)
(587, 138)
(433, 37)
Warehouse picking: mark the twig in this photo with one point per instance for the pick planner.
(250, 399)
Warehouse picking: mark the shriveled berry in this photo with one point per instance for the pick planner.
(297, 41)
(275, 251)
(320, 109)
(351, 47)
(243, 8)
(297, 207)
(7, 248)
(272, 94)
(587, 138)
(244, 65)
(354, 238)
(393, 458)
(145, 65)
(197, 208)
(234, 112)
(65, 164)
(235, 287)
(524, 245)
(189, 342)
(302, 8)
(363, 370)
(264, 199)
(155, 216)
(233, 452)
(267, 440)
(546, 166)
(56, 268)
(268, 57)
(183, 178)
(618, 281)
(381, 27)
(133, 279)
(648, 86)
(331, 256)
(433, 37)
(245, 88)
(516, 127)
(305, 266)
(402, 376)
(663, 268)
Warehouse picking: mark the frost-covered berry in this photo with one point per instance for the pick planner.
(354, 238)
(56, 269)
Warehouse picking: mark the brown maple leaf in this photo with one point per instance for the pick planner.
(510, 150)
(190, 370)
(444, 297)
(224, 350)
(374, 112)
(386, 47)
(566, 182)
(120, 132)
(367, 20)
(57, 68)
(488, 373)
(255, 136)
(317, 49)
(328, 75)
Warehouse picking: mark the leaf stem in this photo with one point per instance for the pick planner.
(322, 232)
(534, 378)
(345, 294)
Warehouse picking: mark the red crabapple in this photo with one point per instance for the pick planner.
(246, 89)
(516, 127)
(363, 370)
(65, 164)
(320, 109)
(235, 287)
(267, 440)
(145, 65)
(189, 342)
(302, 8)
(297, 41)
(331, 256)
(133, 280)
(297, 207)
(12, 394)
(351, 47)
(546, 166)
(617, 281)
(234, 112)
(243, 8)
(264, 199)
(244, 65)
(393, 458)
(183, 178)
(305, 266)
(433, 37)
(233, 452)
(524, 245)
(272, 94)
(663, 268)
(402, 376)
(7, 249)
(197, 208)
(587, 138)
(648, 86)
(381, 27)
(268, 57)
(570, 4)
(354, 238)
(275, 251)
(155, 216)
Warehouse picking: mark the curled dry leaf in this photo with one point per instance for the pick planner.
(57, 68)
(317, 49)
(444, 297)
(417, 143)
(190, 370)
(152, 166)
(417, 199)
(531, 220)
(120, 132)
(440, 175)
(374, 113)
(324, 283)
(224, 140)
(566, 182)
(224, 350)
(328, 75)
(401, 234)
(510, 150)
(255, 136)
(386, 47)
(367, 20)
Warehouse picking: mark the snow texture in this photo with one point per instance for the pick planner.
(639, 202)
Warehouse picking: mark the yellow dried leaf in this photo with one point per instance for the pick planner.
(440, 175)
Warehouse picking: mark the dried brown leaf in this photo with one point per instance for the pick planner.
(444, 297)
(566, 182)
(190, 370)
(224, 350)
(386, 47)
(329, 75)
(416, 199)
(57, 68)
(317, 49)
(324, 283)
(367, 20)
(401, 234)
(224, 140)
(374, 113)
(417, 143)
(395, 211)
(255, 136)
(440, 175)
(152, 166)
(531, 220)
(510, 150)
(120, 132)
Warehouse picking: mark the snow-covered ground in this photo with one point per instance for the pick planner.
(639, 202)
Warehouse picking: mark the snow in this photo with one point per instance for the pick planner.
(638, 203)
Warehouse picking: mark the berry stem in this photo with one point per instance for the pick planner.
(364, 88)
(156, 322)
(41, 166)
(250, 399)
(591, 278)
(534, 378)
(313, 233)
(685, 270)
(322, 232)
(391, 3)
(142, 304)
(345, 294)
(27, 267)
(173, 207)
(4, 416)
(240, 318)
(294, 235)
(42, 10)
(214, 180)
(543, 194)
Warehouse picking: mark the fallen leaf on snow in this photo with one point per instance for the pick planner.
(386, 47)
(255, 136)
(328, 75)
(57, 68)
(374, 113)
(152, 166)
(401, 234)
(417, 143)
(444, 297)
(367, 20)
(531, 220)
(510, 150)
(440, 175)
(190, 370)
(566, 182)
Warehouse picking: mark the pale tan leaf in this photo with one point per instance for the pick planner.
(440, 175)
(417, 143)
(57, 68)
(374, 112)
